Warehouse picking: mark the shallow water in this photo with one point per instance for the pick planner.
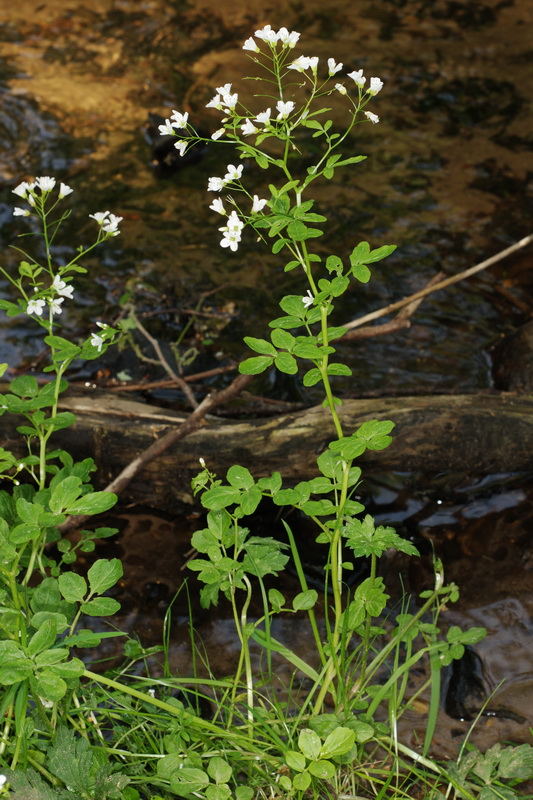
(448, 176)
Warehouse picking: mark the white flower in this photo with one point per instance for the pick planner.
(62, 288)
(313, 63)
(263, 117)
(215, 103)
(22, 189)
(357, 77)
(308, 299)
(100, 216)
(376, 84)
(258, 205)
(21, 212)
(111, 225)
(226, 89)
(64, 190)
(288, 39)
(31, 199)
(233, 173)
(179, 120)
(215, 184)
(284, 108)
(333, 67)
(235, 225)
(250, 44)
(230, 100)
(267, 34)
(97, 341)
(232, 232)
(181, 146)
(3, 780)
(151, 692)
(218, 206)
(340, 88)
(166, 129)
(45, 183)
(372, 117)
(217, 134)
(248, 128)
(35, 307)
(55, 305)
(300, 64)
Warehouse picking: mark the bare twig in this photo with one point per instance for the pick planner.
(467, 273)
(191, 424)
(401, 320)
(178, 380)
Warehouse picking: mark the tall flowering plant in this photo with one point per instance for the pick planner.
(286, 112)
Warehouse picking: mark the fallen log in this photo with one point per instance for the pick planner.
(476, 433)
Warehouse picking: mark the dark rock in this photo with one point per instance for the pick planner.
(513, 361)
(464, 692)
(166, 160)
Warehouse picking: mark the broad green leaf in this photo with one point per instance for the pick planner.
(293, 305)
(219, 791)
(302, 781)
(51, 657)
(276, 599)
(25, 386)
(47, 684)
(312, 377)
(282, 338)
(322, 769)
(71, 760)
(339, 369)
(24, 533)
(101, 607)
(260, 346)
(188, 780)
(305, 600)
(70, 669)
(295, 760)
(240, 477)
(219, 770)
(286, 363)
(72, 586)
(65, 493)
(309, 743)
(339, 741)
(59, 421)
(516, 763)
(43, 638)
(94, 503)
(254, 366)
(244, 793)
(220, 497)
(104, 574)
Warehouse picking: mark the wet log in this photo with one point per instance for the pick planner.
(479, 434)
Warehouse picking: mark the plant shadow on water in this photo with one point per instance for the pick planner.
(449, 181)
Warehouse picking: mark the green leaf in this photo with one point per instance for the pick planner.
(59, 421)
(100, 607)
(280, 244)
(25, 386)
(188, 780)
(293, 305)
(339, 369)
(361, 273)
(286, 363)
(339, 742)
(65, 493)
(254, 366)
(24, 533)
(312, 377)
(302, 781)
(71, 760)
(219, 770)
(44, 638)
(295, 760)
(220, 497)
(73, 587)
(244, 793)
(260, 346)
(516, 763)
(309, 743)
(104, 574)
(240, 477)
(47, 684)
(276, 599)
(322, 769)
(282, 338)
(305, 600)
(94, 503)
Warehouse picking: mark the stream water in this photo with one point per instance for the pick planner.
(449, 179)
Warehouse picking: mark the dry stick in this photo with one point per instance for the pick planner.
(400, 321)
(187, 391)
(381, 312)
(160, 445)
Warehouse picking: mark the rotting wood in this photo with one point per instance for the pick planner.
(478, 433)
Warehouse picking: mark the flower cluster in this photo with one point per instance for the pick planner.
(232, 232)
(266, 34)
(28, 191)
(108, 222)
